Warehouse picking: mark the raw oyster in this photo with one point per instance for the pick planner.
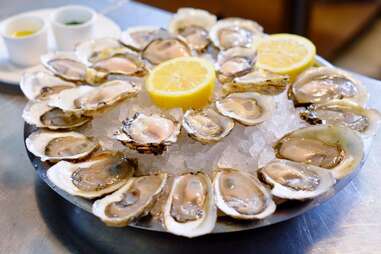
(235, 32)
(343, 112)
(123, 63)
(193, 25)
(338, 149)
(138, 37)
(323, 84)
(89, 99)
(69, 67)
(235, 62)
(40, 114)
(190, 209)
(207, 126)
(103, 173)
(164, 48)
(149, 133)
(293, 180)
(92, 51)
(240, 195)
(55, 146)
(41, 85)
(260, 81)
(133, 200)
(246, 108)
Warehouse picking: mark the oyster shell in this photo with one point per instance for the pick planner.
(260, 81)
(67, 66)
(164, 48)
(235, 62)
(190, 209)
(138, 37)
(92, 51)
(133, 200)
(246, 108)
(293, 180)
(206, 126)
(235, 32)
(343, 112)
(89, 99)
(240, 195)
(193, 25)
(55, 146)
(338, 149)
(41, 115)
(323, 84)
(103, 173)
(149, 133)
(41, 85)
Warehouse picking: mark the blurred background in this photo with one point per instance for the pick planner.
(346, 32)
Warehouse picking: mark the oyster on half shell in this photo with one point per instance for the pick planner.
(55, 146)
(207, 126)
(149, 133)
(338, 149)
(138, 37)
(235, 32)
(260, 81)
(41, 115)
(132, 201)
(246, 108)
(343, 112)
(193, 25)
(323, 84)
(103, 173)
(235, 62)
(41, 85)
(240, 195)
(294, 180)
(190, 208)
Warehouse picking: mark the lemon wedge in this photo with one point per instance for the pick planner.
(186, 82)
(286, 54)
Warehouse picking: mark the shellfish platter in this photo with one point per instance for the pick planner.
(194, 125)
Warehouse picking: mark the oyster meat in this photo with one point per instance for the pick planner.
(207, 126)
(235, 62)
(235, 32)
(193, 25)
(103, 173)
(343, 112)
(293, 180)
(41, 85)
(138, 37)
(164, 48)
(190, 209)
(149, 133)
(133, 200)
(260, 81)
(246, 108)
(240, 195)
(41, 115)
(323, 84)
(55, 146)
(89, 99)
(338, 149)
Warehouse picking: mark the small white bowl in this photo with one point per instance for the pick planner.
(25, 51)
(67, 36)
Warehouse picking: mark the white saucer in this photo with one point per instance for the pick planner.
(11, 74)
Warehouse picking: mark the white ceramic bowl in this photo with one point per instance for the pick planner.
(25, 51)
(67, 36)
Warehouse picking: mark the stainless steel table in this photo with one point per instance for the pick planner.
(33, 219)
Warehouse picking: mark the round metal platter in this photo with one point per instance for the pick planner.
(224, 224)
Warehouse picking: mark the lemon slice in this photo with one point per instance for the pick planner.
(286, 54)
(186, 82)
